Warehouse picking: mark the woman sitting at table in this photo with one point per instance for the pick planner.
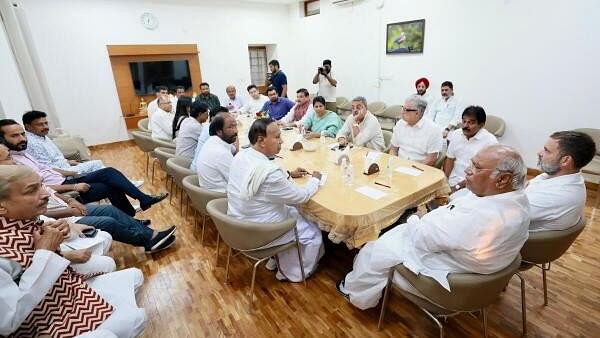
(321, 120)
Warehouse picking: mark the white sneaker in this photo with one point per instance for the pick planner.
(137, 184)
(136, 207)
(271, 264)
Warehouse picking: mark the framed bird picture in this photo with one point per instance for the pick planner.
(405, 37)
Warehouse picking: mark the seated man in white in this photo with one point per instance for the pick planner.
(255, 102)
(159, 91)
(45, 151)
(414, 137)
(298, 113)
(40, 294)
(446, 110)
(232, 101)
(479, 233)
(464, 144)
(161, 121)
(190, 131)
(215, 157)
(361, 128)
(205, 133)
(557, 196)
(260, 191)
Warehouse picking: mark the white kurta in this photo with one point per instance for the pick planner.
(161, 124)
(270, 204)
(556, 203)
(289, 117)
(253, 106)
(213, 164)
(445, 112)
(369, 134)
(18, 300)
(417, 141)
(472, 234)
(462, 151)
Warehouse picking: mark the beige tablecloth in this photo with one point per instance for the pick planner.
(348, 215)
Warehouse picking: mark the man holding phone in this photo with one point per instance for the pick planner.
(327, 85)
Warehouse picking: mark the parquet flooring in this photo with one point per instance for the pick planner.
(185, 294)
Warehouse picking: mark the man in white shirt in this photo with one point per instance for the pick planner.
(446, 110)
(159, 91)
(298, 112)
(215, 156)
(255, 102)
(40, 296)
(557, 196)
(479, 233)
(161, 121)
(205, 135)
(260, 191)
(422, 85)
(464, 144)
(231, 101)
(361, 128)
(190, 130)
(327, 85)
(414, 137)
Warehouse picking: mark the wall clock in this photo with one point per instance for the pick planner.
(149, 20)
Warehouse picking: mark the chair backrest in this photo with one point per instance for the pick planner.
(392, 112)
(198, 195)
(595, 134)
(495, 125)
(163, 143)
(340, 101)
(143, 125)
(376, 107)
(387, 139)
(243, 235)
(546, 246)
(143, 141)
(163, 154)
(179, 167)
(470, 291)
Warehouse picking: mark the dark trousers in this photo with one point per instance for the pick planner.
(112, 184)
(120, 226)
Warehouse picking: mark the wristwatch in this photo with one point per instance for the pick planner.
(457, 187)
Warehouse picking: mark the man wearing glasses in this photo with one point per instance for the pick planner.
(414, 137)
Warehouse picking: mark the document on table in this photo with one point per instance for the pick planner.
(79, 243)
(323, 179)
(409, 171)
(371, 192)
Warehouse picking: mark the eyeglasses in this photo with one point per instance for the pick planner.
(408, 110)
(475, 169)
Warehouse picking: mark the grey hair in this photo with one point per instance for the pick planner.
(419, 102)
(9, 174)
(360, 99)
(511, 162)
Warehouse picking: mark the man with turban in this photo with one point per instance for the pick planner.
(422, 85)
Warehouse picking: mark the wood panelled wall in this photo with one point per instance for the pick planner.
(121, 55)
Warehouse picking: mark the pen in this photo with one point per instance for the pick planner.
(277, 156)
(387, 186)
(414, 166)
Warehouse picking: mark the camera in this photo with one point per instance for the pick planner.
(321, 70)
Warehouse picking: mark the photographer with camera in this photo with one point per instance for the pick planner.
(327, 85)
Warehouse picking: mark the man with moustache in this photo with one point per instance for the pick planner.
(277, 107)
(422, 85)
(260, 191)
(45, 151)
(464, 144)
(557, 196)
(361, 128)
(215, 156)
(446, 110)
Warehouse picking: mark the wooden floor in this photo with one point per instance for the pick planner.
(185, 294)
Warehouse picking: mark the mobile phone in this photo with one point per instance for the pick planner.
(90, 232)
(287, 128)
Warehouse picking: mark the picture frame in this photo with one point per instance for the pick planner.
(406, 37)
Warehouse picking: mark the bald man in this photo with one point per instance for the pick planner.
(232, 101)
(479, 233)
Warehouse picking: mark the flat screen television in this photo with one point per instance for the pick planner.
(149, 74)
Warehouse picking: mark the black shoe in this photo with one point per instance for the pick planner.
(153, 200)
(145, 222)
(338, 287)
(166, 244)
(160, 238)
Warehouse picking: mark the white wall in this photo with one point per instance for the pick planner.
(535, 63)
(13, 98)
(71, 38)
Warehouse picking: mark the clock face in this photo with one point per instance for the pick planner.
(149, 20)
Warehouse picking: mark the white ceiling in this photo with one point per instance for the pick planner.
(279, 2)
